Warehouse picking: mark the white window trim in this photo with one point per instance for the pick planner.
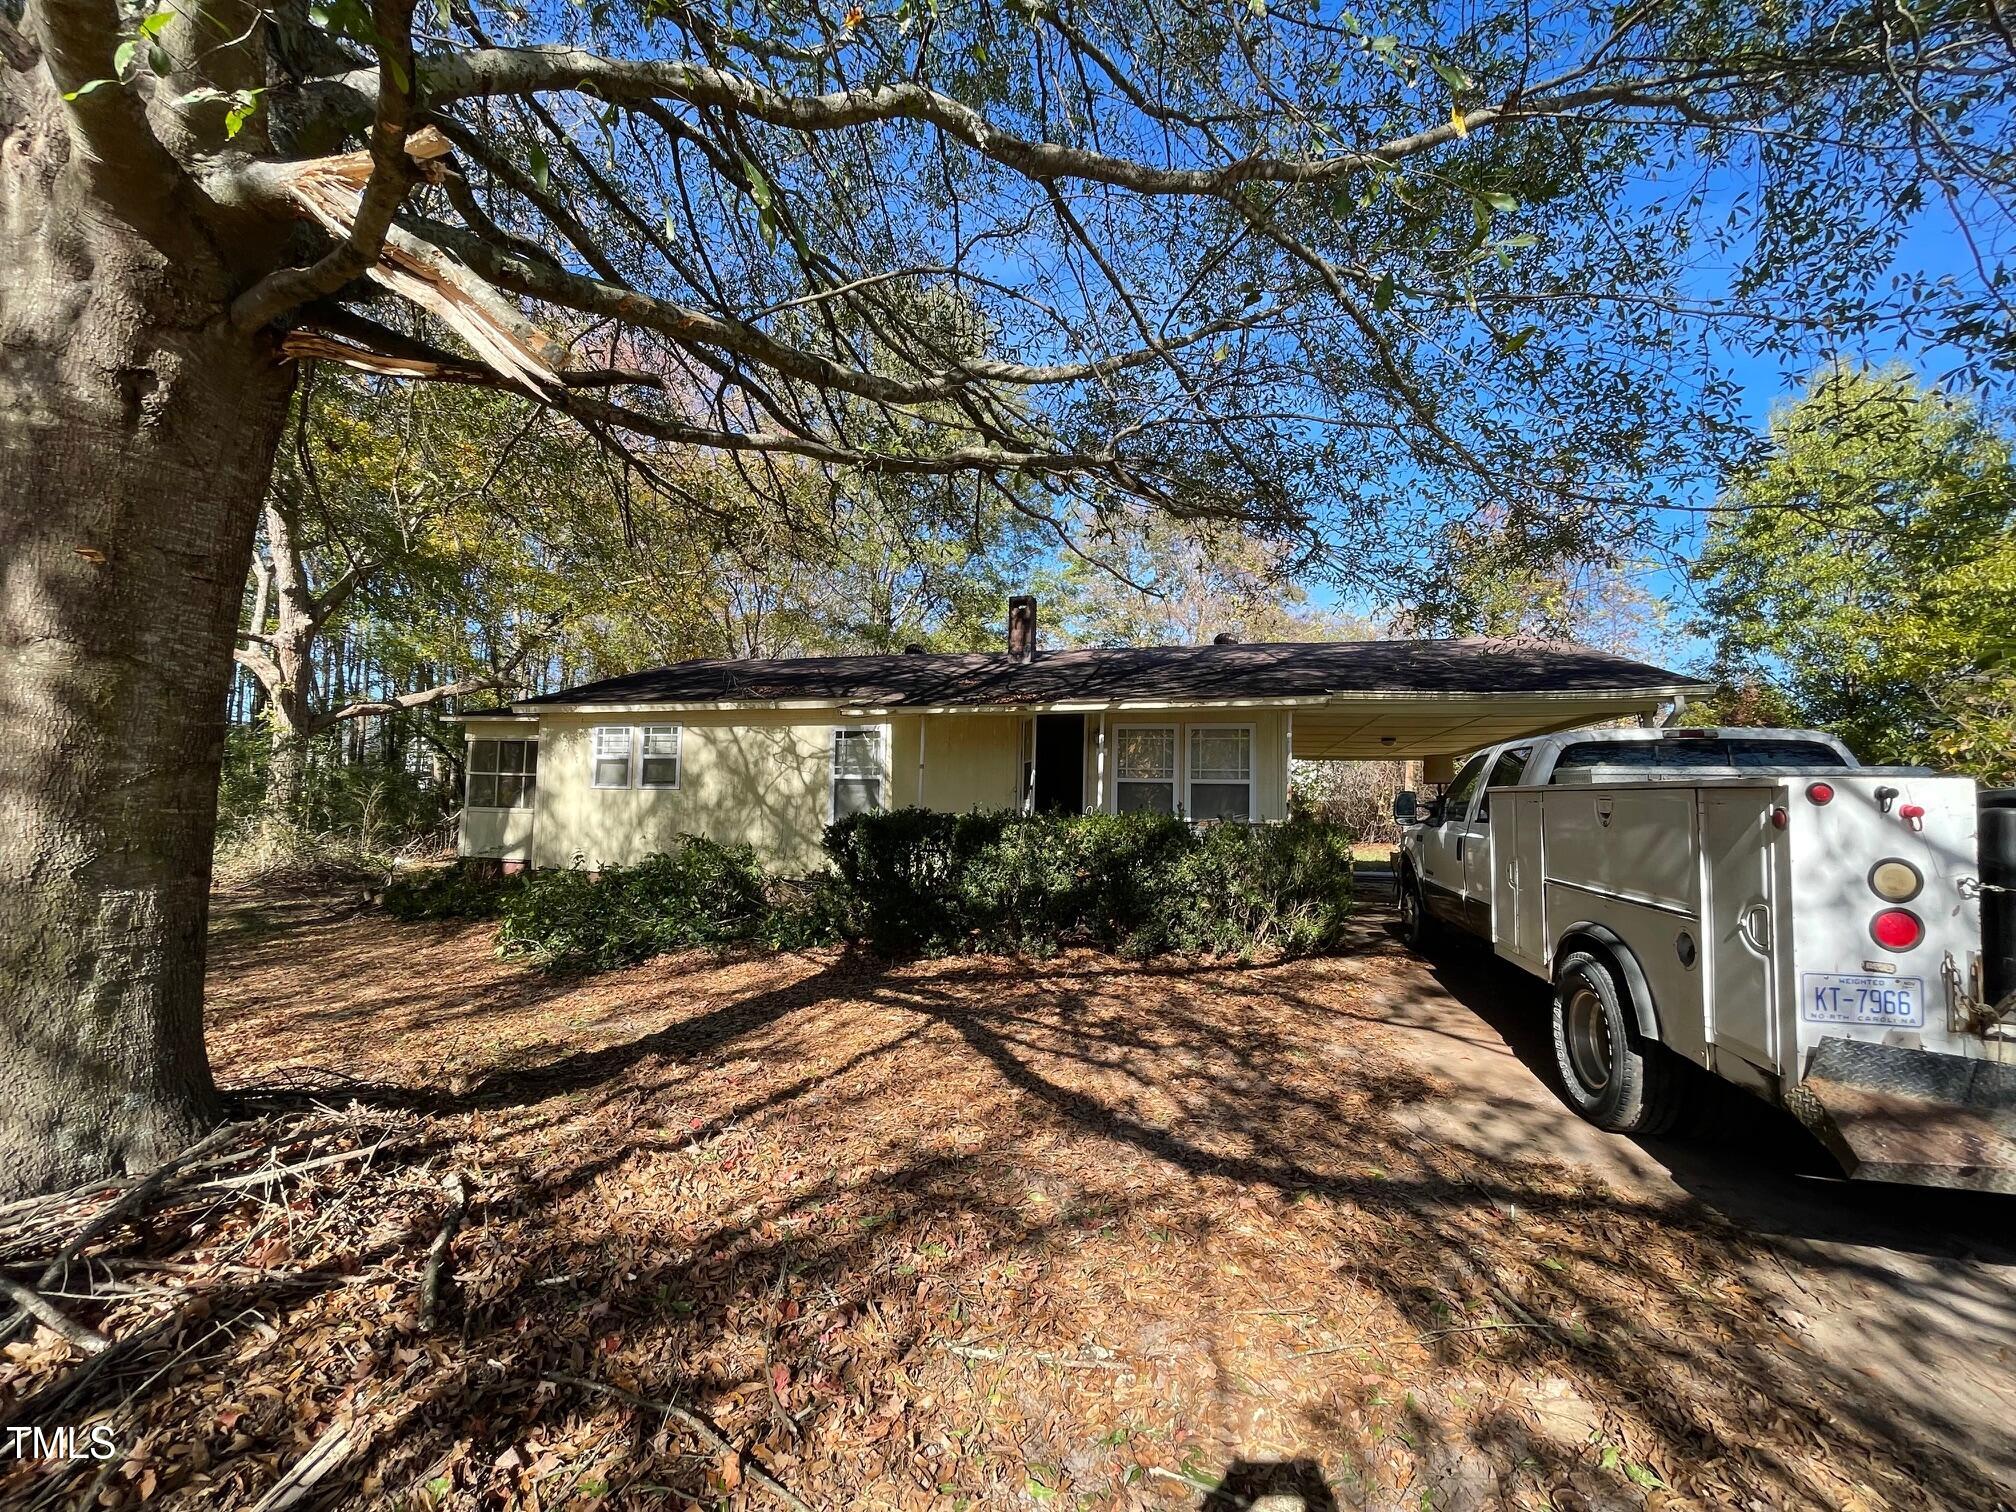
(469, 771)
(1176, 788)
(882, 763)
(595, 758)
(678, 758)
(1252, 768)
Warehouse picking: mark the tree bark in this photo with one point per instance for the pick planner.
(282, 815)
(137, 431)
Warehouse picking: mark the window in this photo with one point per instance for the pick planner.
(1687, 754)
(1144, 769)
(1221, 772)
(1456, 802)
(612, 756)
(503, 774)
(857, 770)
(1511, 766)
(661, 756)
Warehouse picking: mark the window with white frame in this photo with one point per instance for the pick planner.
(661, 757)
(1144, 769)
(857, 770)
(611, 759)
(503, 774)
(1221, 772)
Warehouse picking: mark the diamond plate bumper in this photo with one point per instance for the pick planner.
(1888, 1113)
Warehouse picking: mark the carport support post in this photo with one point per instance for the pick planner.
(1287, 761)
(1099, 798)
(923, 720)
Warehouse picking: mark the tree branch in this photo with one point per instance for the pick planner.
(393, 173)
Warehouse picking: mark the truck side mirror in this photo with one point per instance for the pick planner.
(1405, 806)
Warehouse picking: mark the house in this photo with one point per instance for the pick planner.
(771, 751)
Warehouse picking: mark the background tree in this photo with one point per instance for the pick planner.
(1864, 570)
(1252, 263)
(380, 584)
(1152, 581)
(1525, 574)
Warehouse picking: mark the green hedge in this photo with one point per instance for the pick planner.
(918, 882)
(698, 893)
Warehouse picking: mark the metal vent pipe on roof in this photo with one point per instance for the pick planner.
(1224, 638)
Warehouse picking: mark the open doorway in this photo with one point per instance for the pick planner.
(1060, 764)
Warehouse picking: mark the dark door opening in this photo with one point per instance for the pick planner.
(1060, 763)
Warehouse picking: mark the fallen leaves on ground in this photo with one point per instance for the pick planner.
(967, 1233)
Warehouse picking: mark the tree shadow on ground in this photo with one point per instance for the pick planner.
(985, 1225)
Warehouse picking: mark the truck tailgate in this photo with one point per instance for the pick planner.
(1889, 1113)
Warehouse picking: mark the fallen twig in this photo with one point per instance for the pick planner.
(438, 1251)
(127, 1202)
(40, 1308)
(327, 1452)
(720, 1442)
(995, 1356)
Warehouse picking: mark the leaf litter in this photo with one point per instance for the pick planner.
(817, 1229)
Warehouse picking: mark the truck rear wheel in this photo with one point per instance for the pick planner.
(1613, 1076)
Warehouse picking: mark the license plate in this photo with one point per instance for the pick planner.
(1892, 1002)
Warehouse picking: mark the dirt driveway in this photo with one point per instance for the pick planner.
(994, 1233)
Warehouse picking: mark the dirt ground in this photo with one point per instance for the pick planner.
(992, 1233)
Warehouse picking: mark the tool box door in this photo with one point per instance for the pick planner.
(1741, 925)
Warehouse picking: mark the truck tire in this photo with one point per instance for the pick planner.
(1417, 925)
(1613, 1076)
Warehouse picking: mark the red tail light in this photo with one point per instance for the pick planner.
(1820, 792)
(1897, 929)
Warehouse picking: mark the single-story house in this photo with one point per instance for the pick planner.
(770, 751)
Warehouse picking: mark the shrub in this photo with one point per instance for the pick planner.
(926, 883)
(696, 894)
(461, 890)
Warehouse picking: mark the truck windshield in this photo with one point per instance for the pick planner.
(1697, 755)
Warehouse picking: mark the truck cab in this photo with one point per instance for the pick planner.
(1444, 874)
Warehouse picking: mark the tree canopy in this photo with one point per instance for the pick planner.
(1263, 264)
(1864, 571)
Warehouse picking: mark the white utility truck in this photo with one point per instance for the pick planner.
(1755, 902)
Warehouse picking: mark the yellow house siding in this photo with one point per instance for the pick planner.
(764, 778)
(749, 776)
(970, 761)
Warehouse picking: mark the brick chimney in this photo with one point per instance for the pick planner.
(1022, 628)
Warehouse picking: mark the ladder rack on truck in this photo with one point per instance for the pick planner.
(1812, 934)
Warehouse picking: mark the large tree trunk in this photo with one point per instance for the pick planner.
(137, 431)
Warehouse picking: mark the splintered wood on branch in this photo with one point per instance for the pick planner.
(330, 191)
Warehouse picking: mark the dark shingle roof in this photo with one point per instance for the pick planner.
(1140, 673)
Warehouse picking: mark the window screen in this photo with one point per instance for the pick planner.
(1221, 773)
(612, 756)
(1144, 770)
(661, 756)
(857, 770)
